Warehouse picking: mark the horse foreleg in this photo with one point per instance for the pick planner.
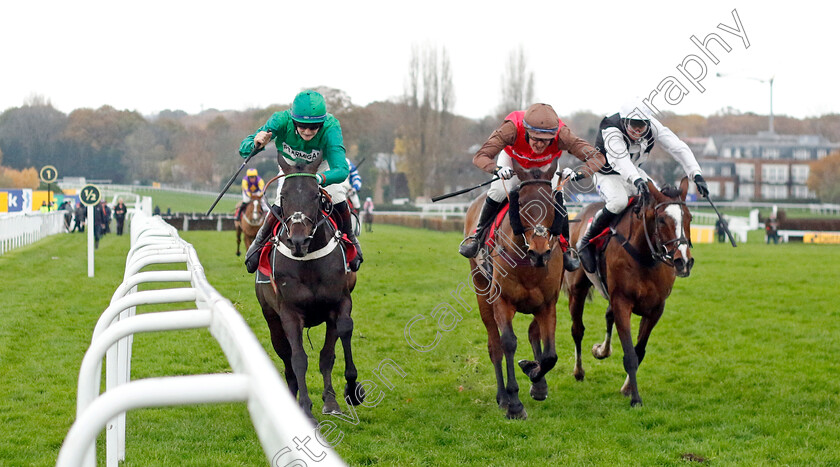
(604, 350)
(621, 312)
(238, 239)
(326, 363)
(577, 299)
(282, 348)
(546, 321)
(503, 313)
(494, 349)
(354, 394)
(646, 325)
(293, 327)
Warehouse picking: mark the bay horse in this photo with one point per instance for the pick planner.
(527, 270)
(643, 256)
(309, 286)
(249, 222)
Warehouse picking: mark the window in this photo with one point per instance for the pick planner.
(821, 153)
(800, 191)
(801, 154)
(770, 153)
(727, 152)
(773, 191)
(799, 173)
(774, 173)
(745, 172)
(726, 171)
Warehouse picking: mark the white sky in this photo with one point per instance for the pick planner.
(192, 55)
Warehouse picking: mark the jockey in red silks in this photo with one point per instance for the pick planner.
(533, 138)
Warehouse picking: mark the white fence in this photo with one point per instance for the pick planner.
(275, 414)
(21, 229)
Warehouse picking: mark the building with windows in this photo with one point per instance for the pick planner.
(765, 166)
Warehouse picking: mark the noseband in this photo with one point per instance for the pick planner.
(298, 217)
(663, 251)
(516, 222)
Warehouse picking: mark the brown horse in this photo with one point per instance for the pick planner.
(249, 224)
(635, 273)
(309, 286)
(527, 270)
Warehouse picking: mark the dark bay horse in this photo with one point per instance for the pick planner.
(527, 270)
(639, 265)
(249, 223)
(309, 286)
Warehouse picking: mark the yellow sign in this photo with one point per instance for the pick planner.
(822, 237)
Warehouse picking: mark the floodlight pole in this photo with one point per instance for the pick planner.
(724, 75)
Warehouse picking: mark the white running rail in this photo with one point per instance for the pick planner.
(21, 229)
(275, 414)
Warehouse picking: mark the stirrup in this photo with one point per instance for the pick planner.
(469, 250)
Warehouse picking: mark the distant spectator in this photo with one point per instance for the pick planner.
(720, 229)
(157, 210)
(771, 228)
(119, 215)
(80, 215)
(168, 212)
(44, 207)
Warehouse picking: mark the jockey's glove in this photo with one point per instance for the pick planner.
(571, 175)
(505, 173)
(702, 188)
(644, 192)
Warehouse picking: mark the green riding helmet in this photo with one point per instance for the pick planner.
(309, 107)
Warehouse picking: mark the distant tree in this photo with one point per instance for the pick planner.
(426, 136)
(824, 178)
(30, 136)
(26, 178)
(517, 84)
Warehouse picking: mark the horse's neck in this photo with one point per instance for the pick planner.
(632, 228)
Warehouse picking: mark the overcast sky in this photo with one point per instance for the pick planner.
(154, 55)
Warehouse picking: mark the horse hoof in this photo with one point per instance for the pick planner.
(539, 391)
(529, 367)
(238, 254)
(332, 410)
(520, 415)
(599, 353)
(635, 403)
(579, 374)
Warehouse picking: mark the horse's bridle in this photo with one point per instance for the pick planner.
(539, 230)
(297, 217)
(659, 250)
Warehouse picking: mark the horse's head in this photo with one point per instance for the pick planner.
(257, 212)
(532, 212)
(300, 203)
(667, 223)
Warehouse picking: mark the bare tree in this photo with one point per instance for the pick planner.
(517, 83)
(425, 141)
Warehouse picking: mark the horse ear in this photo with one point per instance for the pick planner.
(683, 188)
(312, 167)
(655, 193)
(519, 170)
(284, 166)
(552, 168)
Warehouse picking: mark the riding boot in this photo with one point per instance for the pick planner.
(469, 247)
(252, 256)
(600, 221)
(560, 226)
(343, 211)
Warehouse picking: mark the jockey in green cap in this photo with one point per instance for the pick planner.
(305, 132)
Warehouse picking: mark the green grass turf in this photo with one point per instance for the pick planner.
(742, 368)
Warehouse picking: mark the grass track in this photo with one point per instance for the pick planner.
(742, 368)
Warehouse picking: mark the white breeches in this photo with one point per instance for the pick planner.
(615, 190)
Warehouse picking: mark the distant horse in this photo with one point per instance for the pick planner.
(249, 224)
(309, 286)
(527, 270)
(367, 219)
(642, 258)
